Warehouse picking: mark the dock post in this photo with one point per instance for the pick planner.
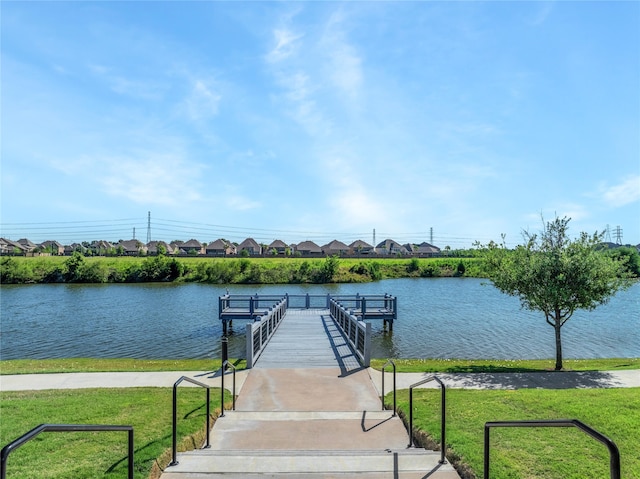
(224, 327)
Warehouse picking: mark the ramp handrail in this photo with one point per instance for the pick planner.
(262, 329)
(357, 332)
(223, 368)
(395, 407)
(6, 450)
(174, 449)
(614, 452)
(443, 415)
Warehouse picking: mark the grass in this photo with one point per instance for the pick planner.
(103, 454)
(541, 453)
(505, 366)
(76, 365)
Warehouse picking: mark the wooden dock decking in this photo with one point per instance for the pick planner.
(308, 338)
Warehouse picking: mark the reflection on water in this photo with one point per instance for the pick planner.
(444, 317)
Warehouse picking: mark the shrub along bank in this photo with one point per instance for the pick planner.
(81, 269)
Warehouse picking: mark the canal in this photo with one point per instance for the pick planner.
(438, 318)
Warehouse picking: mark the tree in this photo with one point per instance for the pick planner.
(555, 275)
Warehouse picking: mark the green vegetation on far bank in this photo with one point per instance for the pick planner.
(282, 270)
(543, 453)
(241, 270)
(101, 454)
(504, 365)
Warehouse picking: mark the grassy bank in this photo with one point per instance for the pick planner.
(281, 270)
(91, 365)
(505, 366)
(77, 365)
(543, 453)
(97, 455)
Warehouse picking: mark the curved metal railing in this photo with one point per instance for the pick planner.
(443, 415)
(6, 450)
(174, 448)
(614, 452)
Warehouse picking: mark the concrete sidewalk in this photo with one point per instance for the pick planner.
(536, 380)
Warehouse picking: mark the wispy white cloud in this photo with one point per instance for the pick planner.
(139, 88)
(344, 62)
(202, 101)
(624, 193)
(285, 44)
(242, 203)
(143, 177)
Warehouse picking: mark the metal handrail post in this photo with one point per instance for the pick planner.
(394, 385)
(208, 444)
(174, 433)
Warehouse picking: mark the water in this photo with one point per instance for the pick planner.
(443, 318)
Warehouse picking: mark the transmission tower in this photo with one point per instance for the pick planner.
(149, 227)
(607, 235)
(618, 235)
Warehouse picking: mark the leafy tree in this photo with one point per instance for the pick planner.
(555, 275)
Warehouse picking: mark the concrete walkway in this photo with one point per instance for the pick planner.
(537, 380)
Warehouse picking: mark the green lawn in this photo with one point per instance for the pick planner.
(101, 454)
(541, 453)
(76, 365)
(504, 366)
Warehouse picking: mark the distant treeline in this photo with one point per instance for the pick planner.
(161, 268)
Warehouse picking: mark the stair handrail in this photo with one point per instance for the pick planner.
(443, 415)
(174, 449)
(233, 393)
(390, 362)
(614, 452)
(13, 445)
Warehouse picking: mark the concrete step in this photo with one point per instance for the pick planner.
(379, 415)
(405, 463)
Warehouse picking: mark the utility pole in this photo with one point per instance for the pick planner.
(134, 232)
(374, 238)
(618, 235)
(431, 235)
(149, 228)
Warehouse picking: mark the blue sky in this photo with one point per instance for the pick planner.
(319, 120)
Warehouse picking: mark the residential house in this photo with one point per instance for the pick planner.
(220, 247)
(132, 247)
(423, 249)
(335, 247)
(192, 247)
(28, 245)
(391, 247)
(8, 246)
(251, 246)
(102, 248)
(52, 247)
(152, 247)
(360, 247)
(278, 246)
(308, 248)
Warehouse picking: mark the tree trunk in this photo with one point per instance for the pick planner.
(557, 326)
